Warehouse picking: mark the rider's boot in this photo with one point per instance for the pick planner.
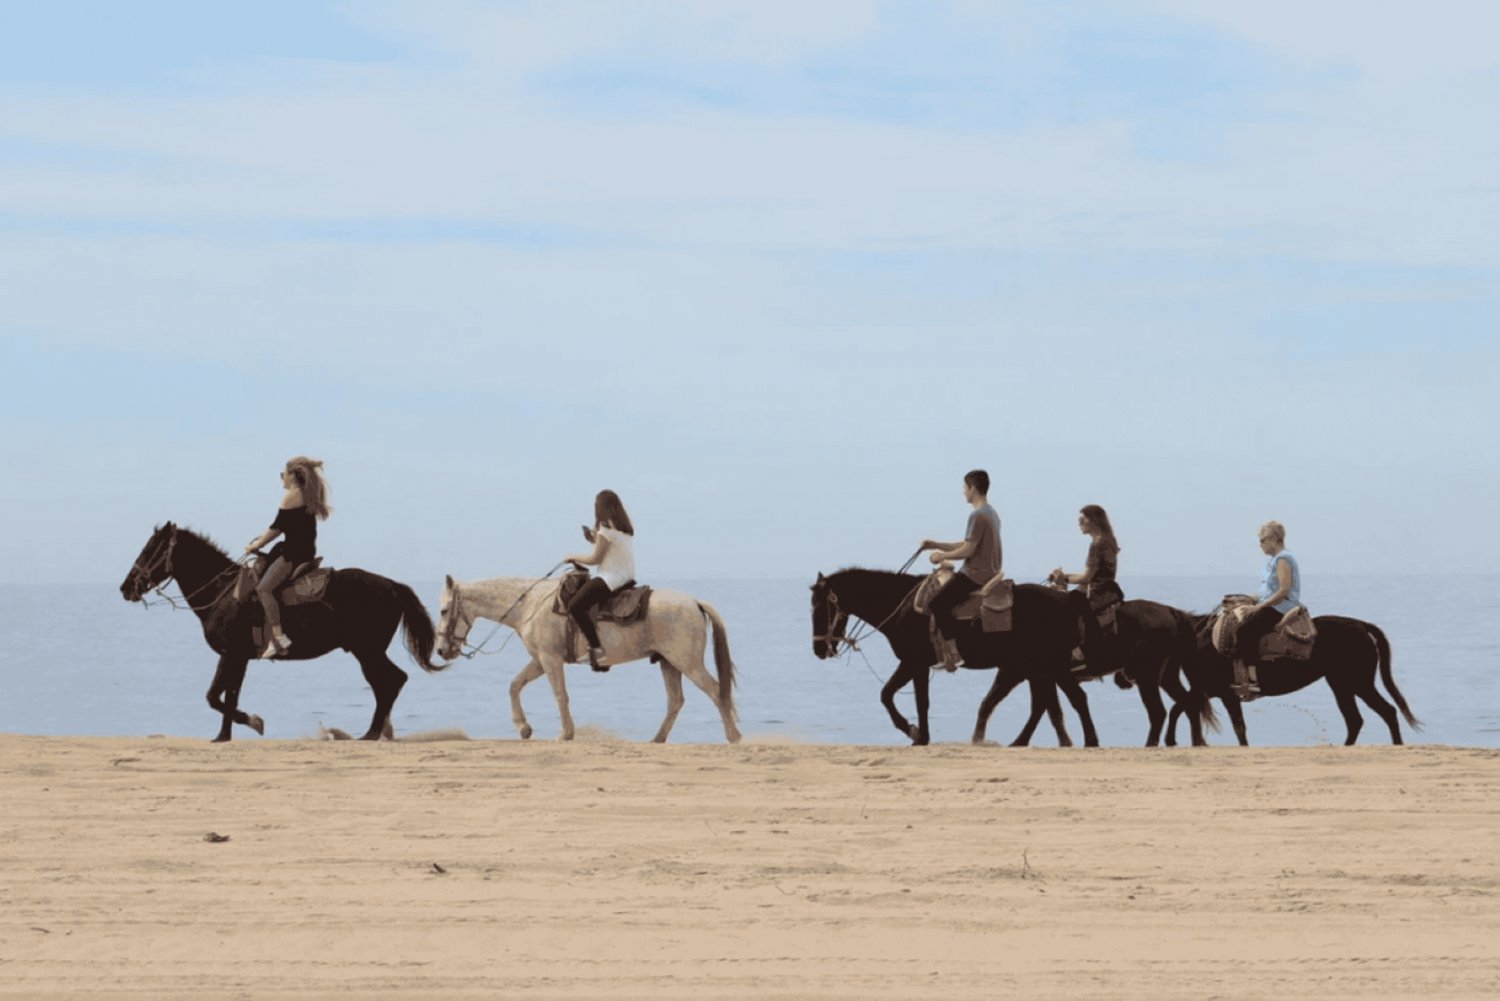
(596, 659)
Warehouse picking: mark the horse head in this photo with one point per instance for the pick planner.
(828, 619)
(153, 567)
(454, 621)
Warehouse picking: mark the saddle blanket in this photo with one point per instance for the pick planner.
(629, 604)
(1292, 639)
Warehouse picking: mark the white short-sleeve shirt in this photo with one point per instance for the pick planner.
(617, 568)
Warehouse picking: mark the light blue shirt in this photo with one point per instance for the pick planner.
(1269, 585)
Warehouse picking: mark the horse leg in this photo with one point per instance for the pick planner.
(904, 673)
(1005, 682)
(553, 668)
(1236, 712)
(386, 680)
(694, 671)
(224, 697)
(1383, 709)
(1353, 720)
(672, 679)
(1079, 700)
(528, 674)
(1156, 713)
(922, 688)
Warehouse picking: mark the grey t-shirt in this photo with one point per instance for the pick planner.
(984, 528)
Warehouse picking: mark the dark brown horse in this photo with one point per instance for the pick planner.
(1148, 649)
(360, 613)
(1348, 654)
(1049, 624)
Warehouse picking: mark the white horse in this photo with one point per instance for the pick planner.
(674, 634)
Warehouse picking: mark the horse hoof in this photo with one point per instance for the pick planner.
(525, 733)
(257, 724)
(913, 731)
(221, 740)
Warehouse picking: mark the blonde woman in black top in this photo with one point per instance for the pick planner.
(302, 506)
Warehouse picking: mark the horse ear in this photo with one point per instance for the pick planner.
(821, 578)
(448, 578)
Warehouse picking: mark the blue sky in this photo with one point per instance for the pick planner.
(778, 273)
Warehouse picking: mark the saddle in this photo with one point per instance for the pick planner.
(629, 604)
(306, 584)
(993, 604)
(1292, 639)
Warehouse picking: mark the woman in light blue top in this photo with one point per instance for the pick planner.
(1280, 592)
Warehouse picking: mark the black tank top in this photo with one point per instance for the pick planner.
(300, 528)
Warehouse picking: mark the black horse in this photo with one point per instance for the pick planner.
(1348, 653)
(1049, 624)
(359, 613)
(1151, 644)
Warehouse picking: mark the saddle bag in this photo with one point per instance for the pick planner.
(1292, 639)
(997, 604)
(1104, 599)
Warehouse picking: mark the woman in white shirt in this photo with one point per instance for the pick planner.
(613, 537)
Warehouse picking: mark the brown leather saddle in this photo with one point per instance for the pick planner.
(993, 604)
(627, 605)
(306, 584)
(1292, 639)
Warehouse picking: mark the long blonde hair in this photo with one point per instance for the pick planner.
(309, 477)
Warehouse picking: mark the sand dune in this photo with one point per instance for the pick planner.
(612, 870)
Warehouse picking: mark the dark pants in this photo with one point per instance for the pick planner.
(945, 601)
(1256, 625)
(276, 574)
(591, 594)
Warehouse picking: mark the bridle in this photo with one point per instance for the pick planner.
(446, 639)
(837, 618)
(143, 574)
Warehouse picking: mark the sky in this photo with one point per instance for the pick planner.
(778, 273)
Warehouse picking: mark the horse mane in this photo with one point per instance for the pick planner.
(201, 537)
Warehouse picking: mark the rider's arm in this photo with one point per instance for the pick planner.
(956, 551)
(1283, 584)
(262, 539)
(601, 546)
(290, 501)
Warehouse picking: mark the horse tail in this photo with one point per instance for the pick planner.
(1383, 649)
(722, 660)
(1184, 653)
(416, 628)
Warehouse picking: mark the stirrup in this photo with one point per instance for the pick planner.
(596, 659)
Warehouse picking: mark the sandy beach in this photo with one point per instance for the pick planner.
(602, 869)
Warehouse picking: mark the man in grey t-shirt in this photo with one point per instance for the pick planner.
(980, 551)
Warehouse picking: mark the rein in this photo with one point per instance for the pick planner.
(864, 629)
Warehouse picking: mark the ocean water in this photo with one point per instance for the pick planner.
(78, 660)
